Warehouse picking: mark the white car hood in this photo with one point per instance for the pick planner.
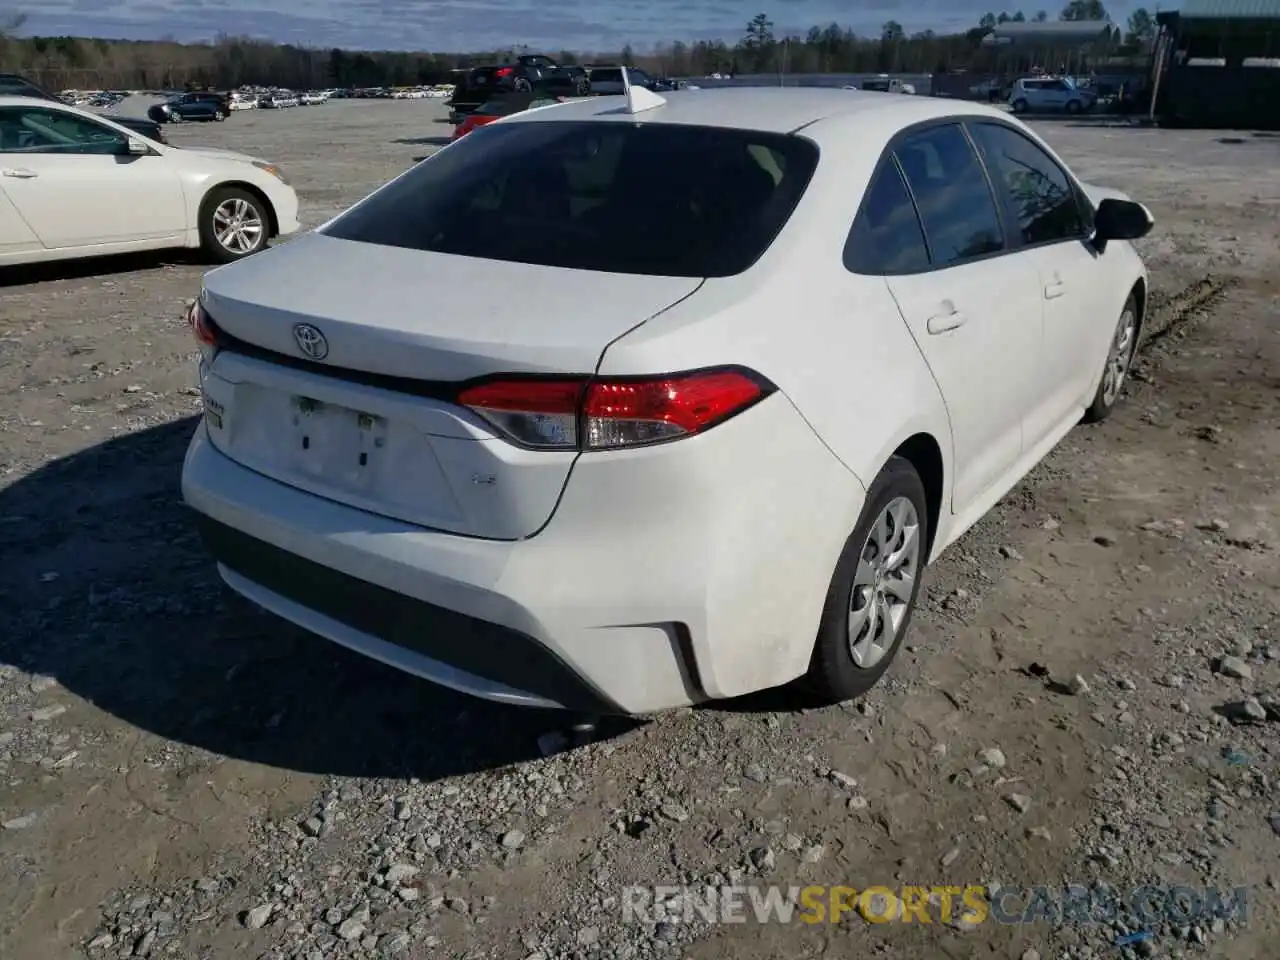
(217, 154)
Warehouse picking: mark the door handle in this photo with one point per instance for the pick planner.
(946, 321)
(1054, 290)
(21, 173)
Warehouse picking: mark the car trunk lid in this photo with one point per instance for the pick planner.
(368, 419)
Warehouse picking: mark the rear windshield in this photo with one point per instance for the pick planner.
(651, 198)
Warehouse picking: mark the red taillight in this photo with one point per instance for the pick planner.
(201, 326)
(504, 71)
(614, 412)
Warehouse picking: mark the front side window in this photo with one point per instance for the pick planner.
(1037, 191)
(34, 130)
(951, 191)
(887, 238)
(595, 196)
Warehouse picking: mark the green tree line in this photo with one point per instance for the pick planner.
(230, 61)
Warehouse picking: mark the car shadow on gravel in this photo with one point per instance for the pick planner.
(105, 587)
(96, 267)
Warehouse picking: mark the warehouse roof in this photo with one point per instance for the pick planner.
(1052, 32)
(1230, 10)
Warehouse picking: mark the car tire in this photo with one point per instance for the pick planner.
(866, 597)
(582, 87)
(1019, 106)
(1121, 349)
(522, 85)
(227, 217)
(1074, 106)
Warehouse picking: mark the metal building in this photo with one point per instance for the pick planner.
(1217, 64)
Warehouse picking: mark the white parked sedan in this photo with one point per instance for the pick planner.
(543, 423)
(74, 184)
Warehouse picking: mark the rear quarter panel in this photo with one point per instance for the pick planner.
(834, 342)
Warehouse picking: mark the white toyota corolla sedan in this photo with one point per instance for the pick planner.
(74, 184)
(635, 402)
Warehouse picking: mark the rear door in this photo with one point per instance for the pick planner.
(1049, 223)
(974, 310)
(75, 184)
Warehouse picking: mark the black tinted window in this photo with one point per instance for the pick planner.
(606, 76)
(887, 237)
(952, 194)
(17, 87)
(37, 130)
(1040, 196)
(595, 196)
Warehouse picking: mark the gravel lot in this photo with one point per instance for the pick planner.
(183, 776)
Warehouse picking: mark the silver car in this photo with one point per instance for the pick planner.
(1048, 95)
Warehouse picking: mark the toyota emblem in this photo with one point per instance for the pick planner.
(310, 341)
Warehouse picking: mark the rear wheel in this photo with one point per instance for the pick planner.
(522, 84)
(1073, 106)
(1120, 351)
(874, 588)
(1019, 106)
(233, 224)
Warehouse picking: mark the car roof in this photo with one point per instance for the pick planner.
(768, 109)
(11, 101)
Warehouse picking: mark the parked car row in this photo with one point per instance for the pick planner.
(95, 99)
(537, 73)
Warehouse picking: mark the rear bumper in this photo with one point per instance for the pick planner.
(667, 576)
(471, 655)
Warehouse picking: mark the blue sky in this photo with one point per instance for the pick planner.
(457, 25)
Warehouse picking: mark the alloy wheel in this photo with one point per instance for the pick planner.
(238, 226)
(1119, 357)
(884, 582)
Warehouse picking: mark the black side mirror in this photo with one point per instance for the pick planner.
(1121, 220)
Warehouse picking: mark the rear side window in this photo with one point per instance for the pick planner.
(595, 196)
(887, 238)
(952, 194)
(606, 76)
(1040, 197)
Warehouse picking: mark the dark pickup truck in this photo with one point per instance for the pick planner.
(12, 85)
(527, 74)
